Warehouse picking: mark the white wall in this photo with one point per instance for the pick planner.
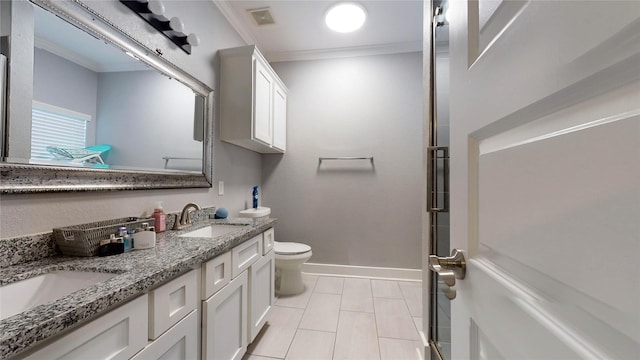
(239, 168)
(351, 212)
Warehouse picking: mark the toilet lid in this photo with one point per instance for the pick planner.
(290, 248)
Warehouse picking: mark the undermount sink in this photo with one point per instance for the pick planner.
(212, 231)
(26, 294)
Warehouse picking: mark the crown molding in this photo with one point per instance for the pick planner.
(76, 58)
(369, 50)
(227, 12)
(66, 54)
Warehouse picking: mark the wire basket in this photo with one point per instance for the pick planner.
(84, 239)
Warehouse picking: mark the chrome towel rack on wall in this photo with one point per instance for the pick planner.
(370, 158)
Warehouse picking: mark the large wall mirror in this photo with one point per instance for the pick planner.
(90, 108)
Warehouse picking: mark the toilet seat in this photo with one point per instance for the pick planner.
(290, 248)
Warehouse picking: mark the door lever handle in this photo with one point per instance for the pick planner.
(449, 268)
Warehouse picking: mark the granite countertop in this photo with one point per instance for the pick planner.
(137, 272)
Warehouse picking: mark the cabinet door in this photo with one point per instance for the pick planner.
(263, 83)
(261, 292)
(224, 327)
(118, 334)
(178, 343)
(279, 117)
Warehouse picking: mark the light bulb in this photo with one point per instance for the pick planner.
(156, 7)
(176, 24)
(345, 17)
(193, 39)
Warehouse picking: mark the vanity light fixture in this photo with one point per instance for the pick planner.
(152, 11)
(155, 6)
(345, 17)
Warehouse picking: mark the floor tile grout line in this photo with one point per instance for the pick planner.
(410, 315)
(335, 340)
(375, 320)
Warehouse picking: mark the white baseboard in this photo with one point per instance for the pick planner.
(363, 271)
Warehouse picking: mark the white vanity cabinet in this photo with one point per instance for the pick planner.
(233, 315)
(163, 324)
(119, 334)
(212, 312)
(253, 101)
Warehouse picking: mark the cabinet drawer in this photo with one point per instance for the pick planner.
(267, 241)
(180, 342)
(118, 334)
(245, 254)
(216, 273)
(171, 302)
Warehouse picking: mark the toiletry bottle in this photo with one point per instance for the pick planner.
(122, 231)
(160, 218)
(126, 238)
(145, 237)
(112, 246)
(255, 197)
(131, 233)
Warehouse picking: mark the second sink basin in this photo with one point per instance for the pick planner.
(213, 231)
(26, 294)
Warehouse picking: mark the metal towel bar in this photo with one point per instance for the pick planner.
(370, 158)
(167, 158)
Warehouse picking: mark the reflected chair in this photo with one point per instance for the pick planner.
(91, 154)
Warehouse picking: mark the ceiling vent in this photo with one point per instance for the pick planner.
(262, 16)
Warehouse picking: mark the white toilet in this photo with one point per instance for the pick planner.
(289, 259)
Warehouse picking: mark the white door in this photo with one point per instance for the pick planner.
(545, 178)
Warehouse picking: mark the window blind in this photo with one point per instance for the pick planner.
(58, 127)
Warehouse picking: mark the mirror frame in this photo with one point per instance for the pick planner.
(25, 178)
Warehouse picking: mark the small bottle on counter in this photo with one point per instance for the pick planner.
(128, 240)
(145, 237)
(111, 246)
(159, 217)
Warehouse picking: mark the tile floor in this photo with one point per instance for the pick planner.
(344, 318)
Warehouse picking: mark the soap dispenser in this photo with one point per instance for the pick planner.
(159, 217)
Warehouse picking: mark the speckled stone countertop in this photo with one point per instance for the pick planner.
(138, 272)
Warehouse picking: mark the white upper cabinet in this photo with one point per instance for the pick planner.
(253, 101)
(279, 117)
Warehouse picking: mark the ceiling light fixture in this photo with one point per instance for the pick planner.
(345, 17)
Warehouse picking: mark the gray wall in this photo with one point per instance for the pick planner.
(239, 168)
(62, 83)
(136, 105)
(351, 212)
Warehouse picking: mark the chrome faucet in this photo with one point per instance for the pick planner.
(184, 220)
